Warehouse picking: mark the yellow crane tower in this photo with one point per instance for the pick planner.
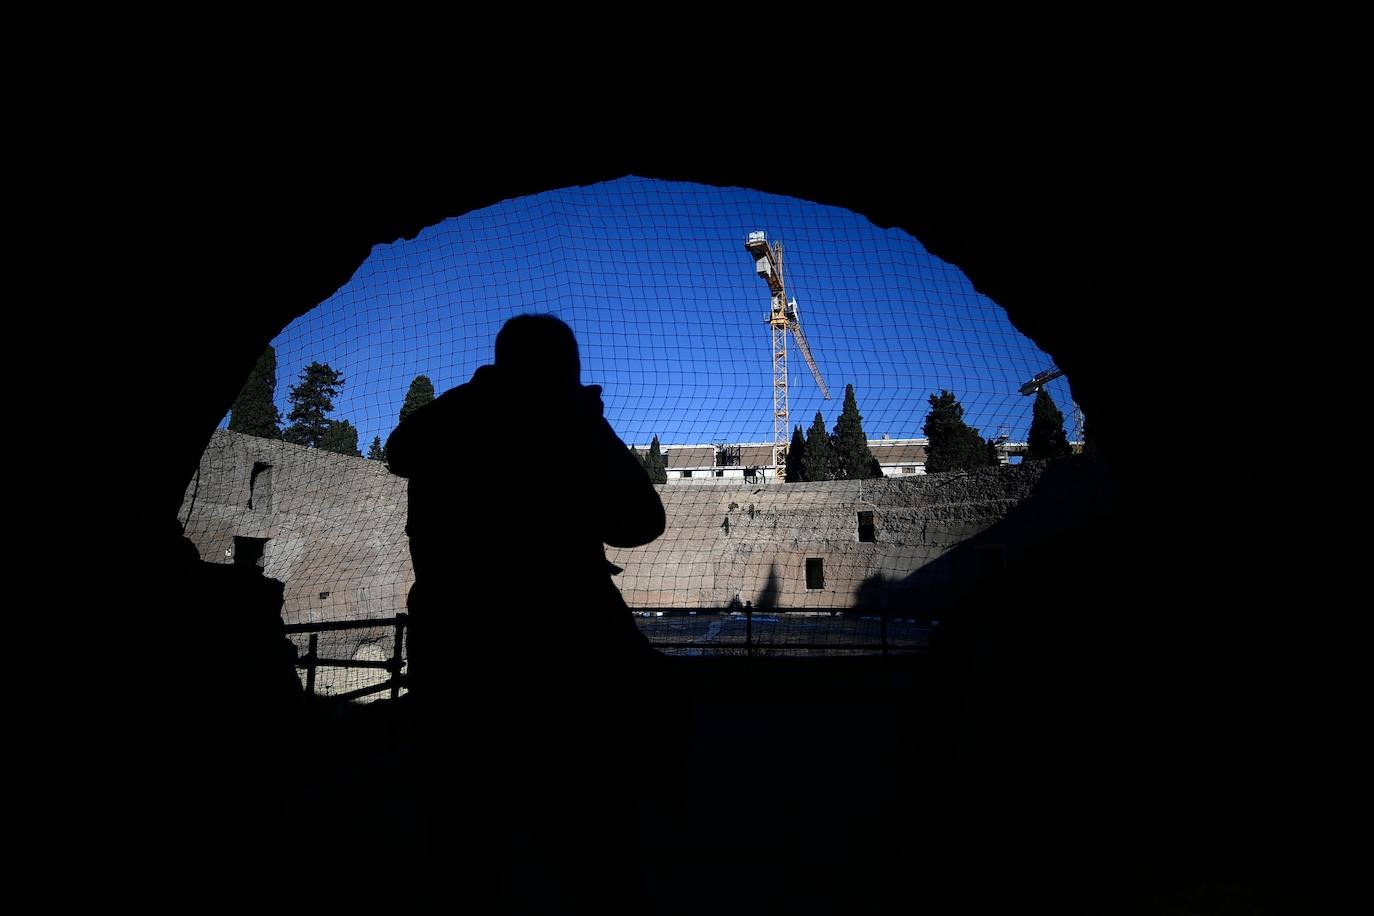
(782, 317)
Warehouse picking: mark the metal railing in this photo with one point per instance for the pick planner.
(311, 662)
(748, 632)
(880, 631)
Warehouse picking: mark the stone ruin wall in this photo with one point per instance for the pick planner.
(760, 555)
(334, 527)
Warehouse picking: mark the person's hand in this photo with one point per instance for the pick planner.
(589, 398)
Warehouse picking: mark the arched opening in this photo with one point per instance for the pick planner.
(1023, 238)
(660, 283)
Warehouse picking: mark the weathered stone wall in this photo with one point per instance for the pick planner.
(335, 527)
(334, 524)
(753, 542)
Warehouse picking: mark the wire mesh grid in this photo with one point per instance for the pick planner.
(671, 311)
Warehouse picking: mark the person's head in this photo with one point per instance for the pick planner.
(538, 349)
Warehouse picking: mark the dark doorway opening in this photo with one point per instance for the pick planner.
(867, 530)
(260, 486)
(815, 573)
(250, 552)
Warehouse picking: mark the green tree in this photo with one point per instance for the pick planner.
(1046, 439)
(254, 412)
(342, 437)
(311, 402)
(994, 454)
(818, 462)
(1089, 443)
(641, 457)
(421, 393)
(655, 465)
(954, 445)
(796, 457)
(852, 457)
(376, 453)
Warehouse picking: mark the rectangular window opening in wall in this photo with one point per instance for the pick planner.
(867, 531)
(908, 469)
(686, 473)
(260, 486)
(250, 552)
(720, 473)
(815, 573)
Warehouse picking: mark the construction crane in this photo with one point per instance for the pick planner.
(782, 317)
(1040, 380)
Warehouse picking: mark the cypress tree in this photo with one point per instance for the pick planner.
(642, 458)
(421, 393)
(852, 457)
(994, 456)
(658, 470)
(954, 445)
(342, 437)
(376, 453)
(796, 457)
(1046, 439)
(254, 412)
(818, 462)
(311, 401)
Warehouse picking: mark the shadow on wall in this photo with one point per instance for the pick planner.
(1091, 666)
(768, 596)
(1070, 494)
(239, 674)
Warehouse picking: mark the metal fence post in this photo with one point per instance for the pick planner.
(310, 656)
(749, 632)
(397, 656)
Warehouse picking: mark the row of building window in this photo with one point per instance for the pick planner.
(751, 474)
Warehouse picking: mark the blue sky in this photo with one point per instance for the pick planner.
(654, 278)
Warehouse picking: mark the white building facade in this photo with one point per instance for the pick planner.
(751, 462)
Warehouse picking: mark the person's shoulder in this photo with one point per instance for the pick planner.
(479, 387)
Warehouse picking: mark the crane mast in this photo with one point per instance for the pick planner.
(782, 318)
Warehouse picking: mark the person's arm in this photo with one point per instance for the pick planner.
(428, 435)
(635, 515)
(413, 443)
(624, 503)
(400, 447)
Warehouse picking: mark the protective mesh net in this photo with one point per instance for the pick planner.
(670, 311)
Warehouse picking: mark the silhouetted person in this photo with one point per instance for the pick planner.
(524, 659)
